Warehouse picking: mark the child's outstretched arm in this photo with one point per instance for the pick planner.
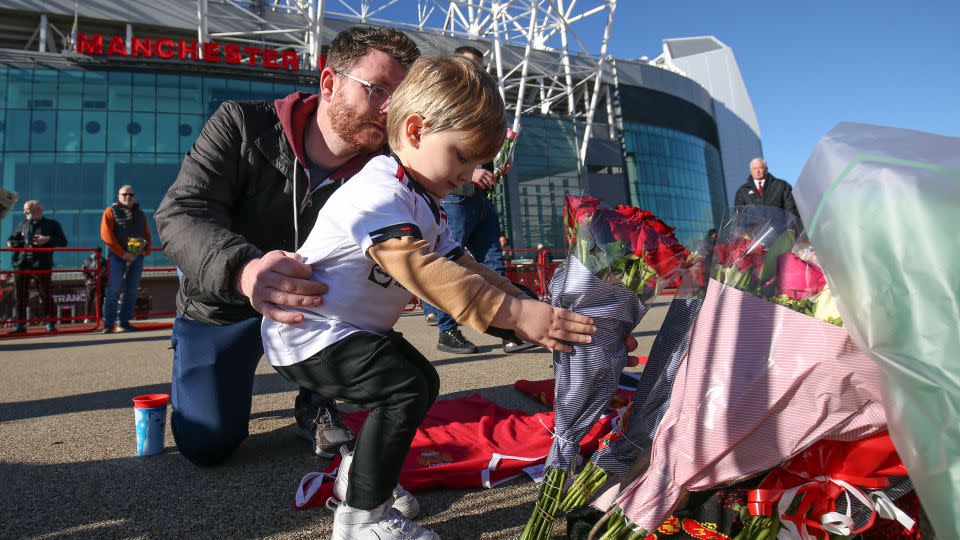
(543, 324)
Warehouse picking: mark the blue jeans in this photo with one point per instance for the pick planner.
(212, 387)
(122, 280)
(475, 225)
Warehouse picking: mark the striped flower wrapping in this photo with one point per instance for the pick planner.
(586, 379)
(760, 383)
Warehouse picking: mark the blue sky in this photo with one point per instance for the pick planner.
(809, 65)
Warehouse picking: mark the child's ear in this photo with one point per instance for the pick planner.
(413, 129)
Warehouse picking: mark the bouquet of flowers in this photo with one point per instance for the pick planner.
(624, 453)
(136, 245)
(759, 382)
(764, 255)
(619, 259)
(504, 158)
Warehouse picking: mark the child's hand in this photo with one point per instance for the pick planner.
(550, 326)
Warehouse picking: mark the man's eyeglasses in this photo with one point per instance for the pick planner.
(127, 194)
(376, 94)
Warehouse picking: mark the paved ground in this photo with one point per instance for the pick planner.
(67, 467)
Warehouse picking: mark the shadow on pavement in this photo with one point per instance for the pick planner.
(116, 399)
(84, 343)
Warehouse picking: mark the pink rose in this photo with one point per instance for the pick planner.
(797, 278)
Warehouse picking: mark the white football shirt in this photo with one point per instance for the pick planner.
(379, 203)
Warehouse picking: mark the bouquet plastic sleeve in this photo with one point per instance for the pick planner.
(586, 379)
(759, 384)
(882, 209)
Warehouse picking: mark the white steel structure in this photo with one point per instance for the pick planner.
(538, 50)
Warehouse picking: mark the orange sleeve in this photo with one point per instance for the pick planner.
(106, 233)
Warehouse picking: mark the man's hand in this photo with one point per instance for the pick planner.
(632, 344)
(545, 325)
(41, 240)
(483, 179)
(129, 257)
(280, 278)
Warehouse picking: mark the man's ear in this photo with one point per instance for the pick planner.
(327, 79)
(413, 130)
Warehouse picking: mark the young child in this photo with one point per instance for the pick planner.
(380, 238)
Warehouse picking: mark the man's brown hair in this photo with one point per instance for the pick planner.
(349, 46)
(451, 94)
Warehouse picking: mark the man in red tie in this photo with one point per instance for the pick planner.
(762, 188)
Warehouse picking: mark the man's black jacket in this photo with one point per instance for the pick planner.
(23, 236)
(776, 193)
(231, 203)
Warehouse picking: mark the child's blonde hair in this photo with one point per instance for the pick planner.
(451, 94)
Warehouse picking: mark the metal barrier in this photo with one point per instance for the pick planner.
(533, 268)
(62, 299)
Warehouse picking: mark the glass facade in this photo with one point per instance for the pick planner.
(546, 166)
(70, 138)
(676, 176)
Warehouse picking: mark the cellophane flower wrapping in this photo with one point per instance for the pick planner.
(504, 158)
(881, 208)
(618, 260)
(760, 381)
(633, 439)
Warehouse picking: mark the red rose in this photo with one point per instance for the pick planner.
(581, 207)
(742, 253)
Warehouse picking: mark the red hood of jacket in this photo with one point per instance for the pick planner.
(296, 111)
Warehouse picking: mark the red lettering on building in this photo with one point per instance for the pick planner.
(231, 54)
(289, 60)
(166, 48)
(252, 53)
(117, 46)
(191, 47)
(270, 58)
(142, 47)
(190, 50)
(90, 45)
(211, 52)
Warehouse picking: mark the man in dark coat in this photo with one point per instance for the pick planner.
(762, 188)
(247, 196)
(35, 231)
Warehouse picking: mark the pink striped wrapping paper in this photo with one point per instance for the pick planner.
(760, 383)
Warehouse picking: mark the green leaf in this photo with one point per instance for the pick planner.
(784, 244)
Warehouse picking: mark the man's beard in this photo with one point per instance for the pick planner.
(347, 123)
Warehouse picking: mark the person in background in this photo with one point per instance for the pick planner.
(125, 230)
(762, 188)
(35, 231)
(475, 225)
(90, 267)
(506, 250)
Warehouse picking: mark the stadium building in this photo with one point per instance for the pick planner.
(100, 93)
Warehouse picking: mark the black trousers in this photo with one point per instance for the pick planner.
(388, 376)
(22, 284)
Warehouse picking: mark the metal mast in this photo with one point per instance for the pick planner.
(548, 55)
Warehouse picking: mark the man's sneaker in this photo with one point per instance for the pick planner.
(321, 424)
(51, 327)
(452, 341)
(19, 329)
(88, 321)
(403, 501)
(432, 319)
(382, 523)
(107, 330)
(121, 328)
(512, 347)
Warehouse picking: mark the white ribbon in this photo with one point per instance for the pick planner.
(835, 522)
(887, 510)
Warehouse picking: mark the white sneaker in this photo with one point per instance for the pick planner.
(383, 523)
(403, 500)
